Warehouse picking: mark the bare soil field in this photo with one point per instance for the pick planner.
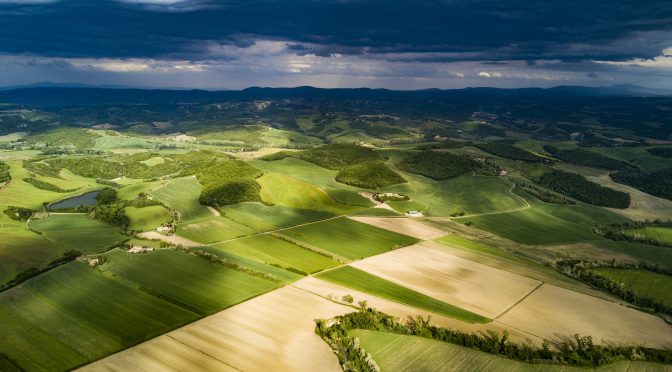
(274, 331)
(173, 239)
(404, 226)
(555, 313)
(402, 311)
(436, 272)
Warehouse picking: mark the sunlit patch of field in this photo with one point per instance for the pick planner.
(642, 205)
(182, 194)
(404, 226)
(274, 331)
(439, 274)
(147, 218)
(555, 313)
(214, 229)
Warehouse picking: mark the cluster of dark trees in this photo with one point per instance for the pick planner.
(578, 187)
(663, 152)
(46, 185)
(584, 271)
(509, 151)
(617, 232)
(543, 195)
(110, 209)
(579, 351)
(334, 156)
(4, 173)
(437, 165)
(658, 183)
(369, 175)
(18, 213)
(587, 158)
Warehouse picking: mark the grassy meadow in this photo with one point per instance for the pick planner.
(347, 238)
(643, 283)
(269, 249)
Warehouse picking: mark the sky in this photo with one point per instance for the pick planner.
(417, 44)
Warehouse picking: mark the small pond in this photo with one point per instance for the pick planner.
(88, 199)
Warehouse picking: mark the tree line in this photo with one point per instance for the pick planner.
(578, 187)
(617, 232)
(584, 271)
(578, 351)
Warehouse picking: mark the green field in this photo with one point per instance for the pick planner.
(263, 217)
(362, 281)
(643, 283)
(269, 249)
(73, 315)
(546, 223)
(662, 234)
(147, 218)
(78, 232)
(290, 192)
(393, 352)
(347, 238)
(192, 282)
(24, 249)
(460, 194)
(213, 229)
(182, 194)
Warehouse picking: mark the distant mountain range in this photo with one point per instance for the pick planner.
(46, 94)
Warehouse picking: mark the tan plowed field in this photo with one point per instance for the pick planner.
(274, 332)
(437, 273)
(404, 226)
(402, 311)
(554, 313)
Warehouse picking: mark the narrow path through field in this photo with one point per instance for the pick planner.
(513, 186)
(519, 301)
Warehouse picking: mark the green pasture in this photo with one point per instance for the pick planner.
(73, 315)
(394, 352)
(189, 281)
(348, 238)
(643, 283)
(182, 194)
(269, 249)
(213, 229)
(147, 218)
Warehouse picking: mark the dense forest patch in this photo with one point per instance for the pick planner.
(587, 158)
(658, 183)
(663, 152)
(437, 165)
(369, 175)
(578, 187)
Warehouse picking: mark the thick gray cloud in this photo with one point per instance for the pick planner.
(440, 43)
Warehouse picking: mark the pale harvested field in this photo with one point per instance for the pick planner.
(273, 332)
(554, 313)
(642, 205)
(436, 272)
(404, 226)
(172, 239)
(402, 311)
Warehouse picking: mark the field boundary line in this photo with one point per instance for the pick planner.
(202, 352)
(519, 301)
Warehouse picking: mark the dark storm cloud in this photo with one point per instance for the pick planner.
(450, 30)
